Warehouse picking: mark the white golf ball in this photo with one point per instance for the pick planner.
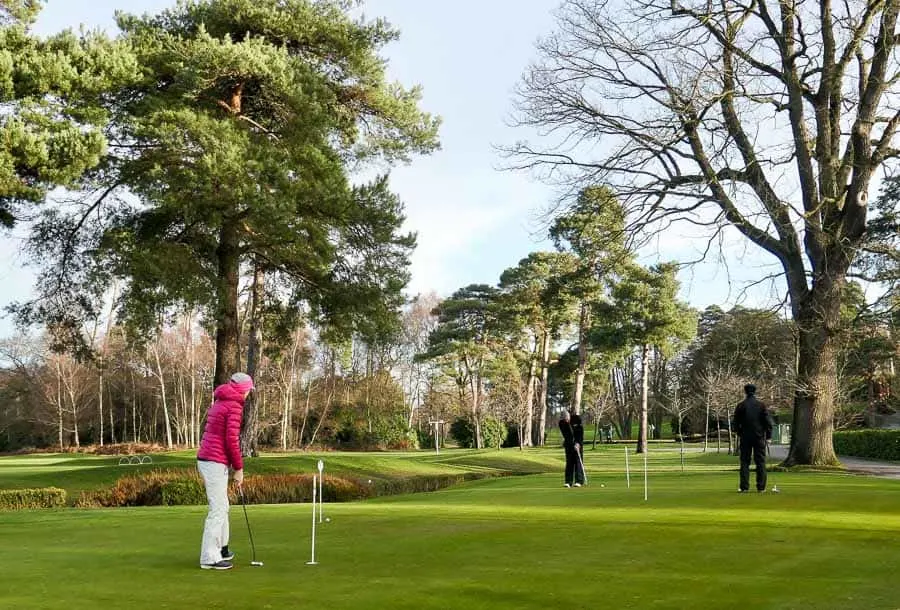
(370, 481)
(328, 519)
(602, 485)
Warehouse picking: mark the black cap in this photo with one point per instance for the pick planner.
(749, 389)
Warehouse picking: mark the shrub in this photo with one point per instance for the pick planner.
(463, 432)
(184, 487)
(141, 489)
(512, 436)
(20, 499)
(392, 432)
(874, 444)
(425, 437)
(182, 491)
(493, 432)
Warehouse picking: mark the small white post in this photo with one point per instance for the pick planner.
(321, 495)
(312, 560)
(627, 469)
(437, 435)
(645, 472)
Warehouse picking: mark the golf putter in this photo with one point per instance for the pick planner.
(581, 465)
(254, 562)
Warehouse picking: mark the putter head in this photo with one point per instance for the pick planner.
(256, 563)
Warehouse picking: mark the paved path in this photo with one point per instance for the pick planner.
(856, 465)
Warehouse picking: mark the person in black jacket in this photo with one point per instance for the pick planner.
(573, 439)
(753, 424)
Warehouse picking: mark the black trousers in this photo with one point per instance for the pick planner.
(574, 473)
(757, 447)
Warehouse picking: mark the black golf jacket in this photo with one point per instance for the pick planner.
(577, 429)
(752, 420)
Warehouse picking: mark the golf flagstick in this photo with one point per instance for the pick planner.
(253, 562)
(321, 466)
(774, 485)
(312, 560)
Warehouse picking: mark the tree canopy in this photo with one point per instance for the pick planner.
(235, 145)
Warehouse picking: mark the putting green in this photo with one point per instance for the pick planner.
(826, 541)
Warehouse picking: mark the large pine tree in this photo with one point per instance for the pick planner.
(235, 145)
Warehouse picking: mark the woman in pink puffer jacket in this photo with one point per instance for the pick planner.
(219, 450)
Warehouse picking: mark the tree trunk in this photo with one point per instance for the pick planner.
(250, 423)
(305, 413)
(545, 374)
(331, 372)
(100, 402)
(227, 331)
(162, 392)
(111, 411)
(706, 423)
(645, 368)
(286, 414)
(718, 433)
(59, 403)
(474, 383)
(134, 422)
(195, 420)
(583, 323)
(77, 438)
(814, 397)
(730, 435)
(528, 435)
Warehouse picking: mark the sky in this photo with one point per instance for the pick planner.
(472, 219)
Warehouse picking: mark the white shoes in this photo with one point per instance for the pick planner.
(577, 484)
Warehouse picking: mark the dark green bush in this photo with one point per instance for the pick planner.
(493, 432)
(393, 432)
(19, 499)
(425, 437)
(874, 444)
(180, 492)
(140, 489)
(463, 432)
(389, 431)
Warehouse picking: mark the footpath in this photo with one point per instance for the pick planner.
(878, 468)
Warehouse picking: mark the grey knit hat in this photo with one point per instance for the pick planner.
(242, 382)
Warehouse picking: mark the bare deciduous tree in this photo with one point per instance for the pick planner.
(768, 118)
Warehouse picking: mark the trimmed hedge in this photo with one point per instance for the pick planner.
(21, 499)
(185, 487)
(874, 444)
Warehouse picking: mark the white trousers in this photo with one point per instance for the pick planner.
(215, 530)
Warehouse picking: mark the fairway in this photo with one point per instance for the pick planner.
(826, 541)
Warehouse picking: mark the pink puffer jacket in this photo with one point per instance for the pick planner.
(221, 437)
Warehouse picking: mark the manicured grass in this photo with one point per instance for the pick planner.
(827, 541)
(77, 473)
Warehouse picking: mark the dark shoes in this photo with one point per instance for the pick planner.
(221, 565)
(226, 554)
